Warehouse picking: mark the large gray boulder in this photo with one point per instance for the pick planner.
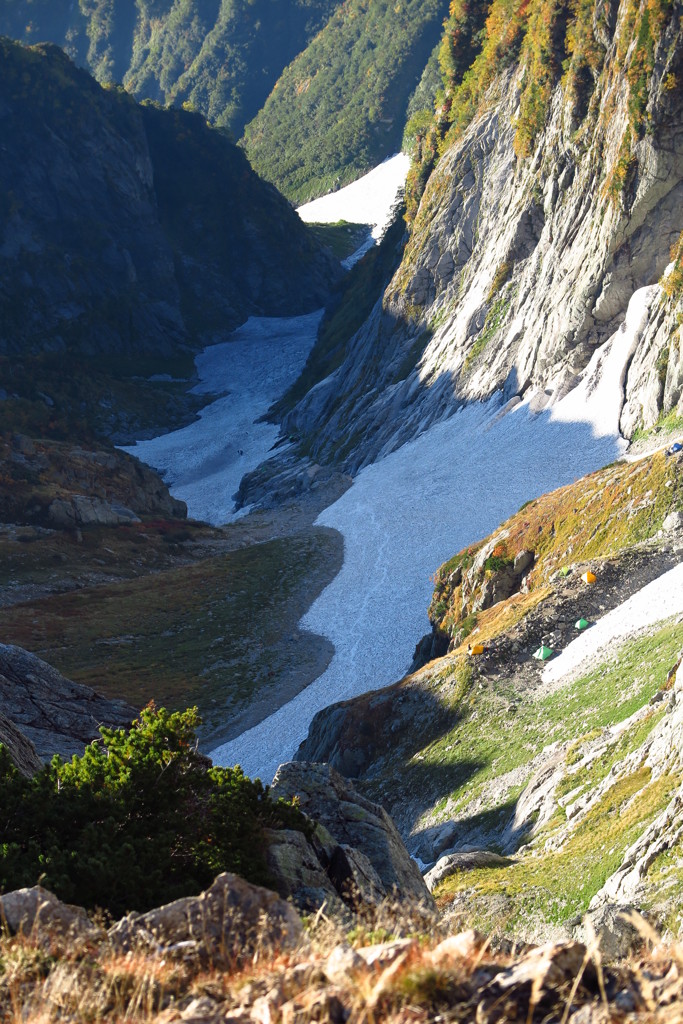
(57, 715)
(39, 913)
(452, 863)
(230, 920)
(358, 845)
(86, 510)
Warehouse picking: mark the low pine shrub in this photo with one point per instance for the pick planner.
(141, 818)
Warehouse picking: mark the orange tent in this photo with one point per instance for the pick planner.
(588, 577)
(476, 649)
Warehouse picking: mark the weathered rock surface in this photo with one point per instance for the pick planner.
(19, 747)
(454, 862)
(233, 918)
(298, 873)
(527, 263)
(615, 927)
(36, 911)
(58, 716)
(358, 845)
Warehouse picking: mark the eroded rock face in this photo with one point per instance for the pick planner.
(516, 270)
(19, 747)
(357, 844)
(57, 715)
(232, 917)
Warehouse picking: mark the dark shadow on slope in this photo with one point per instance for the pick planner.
(483, 831)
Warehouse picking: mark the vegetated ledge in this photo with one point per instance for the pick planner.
(503, 761)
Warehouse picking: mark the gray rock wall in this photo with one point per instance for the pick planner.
(517, 269)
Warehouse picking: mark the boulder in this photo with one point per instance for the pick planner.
(37, 912)
(230, 920)
(298, 873)
(58, 716)
(540, 979)
(342, 963)
(454, 862)
(613, 926)
(355, 824)
(673, 522)
(81, 510)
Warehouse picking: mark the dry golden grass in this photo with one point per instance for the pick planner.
(424, 977)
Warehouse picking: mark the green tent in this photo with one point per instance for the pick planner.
(543, 653)
(581, 623)
(564, 571)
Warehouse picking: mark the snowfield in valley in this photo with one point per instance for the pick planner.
(418, 506)
(204, 462)
(369, 200)
(405, 514)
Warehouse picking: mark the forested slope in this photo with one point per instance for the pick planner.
(328, 83)
(221, 56)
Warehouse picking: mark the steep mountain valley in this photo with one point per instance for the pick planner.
(406, 529)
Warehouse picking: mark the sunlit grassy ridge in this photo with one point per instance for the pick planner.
(598, 516)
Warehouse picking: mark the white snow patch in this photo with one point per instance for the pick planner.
(369, 200)
(659, 600)
(204, 462)
(598, 397)
(415, 508)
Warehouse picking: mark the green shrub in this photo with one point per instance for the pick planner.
(139, 819)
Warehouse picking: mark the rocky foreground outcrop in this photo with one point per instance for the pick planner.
(238, 954)
(55, 714)
(354, 857)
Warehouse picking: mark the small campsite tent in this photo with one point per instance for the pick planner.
(564, 571)
(543, 653)
(581, 623)
(588, 577)
(477, 649)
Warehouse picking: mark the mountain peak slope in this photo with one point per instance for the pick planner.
(519, 266)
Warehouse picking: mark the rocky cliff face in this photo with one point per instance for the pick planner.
(55, 715)
(518, 267)
(127, 231)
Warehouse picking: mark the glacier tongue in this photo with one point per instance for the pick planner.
(407, 513)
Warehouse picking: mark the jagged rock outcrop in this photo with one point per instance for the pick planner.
(355, 854)
(58, 716)
(19, 747)
(517, 269)
(233, 917)
(67, 486)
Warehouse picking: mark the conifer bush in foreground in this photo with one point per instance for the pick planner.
(141, 818)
